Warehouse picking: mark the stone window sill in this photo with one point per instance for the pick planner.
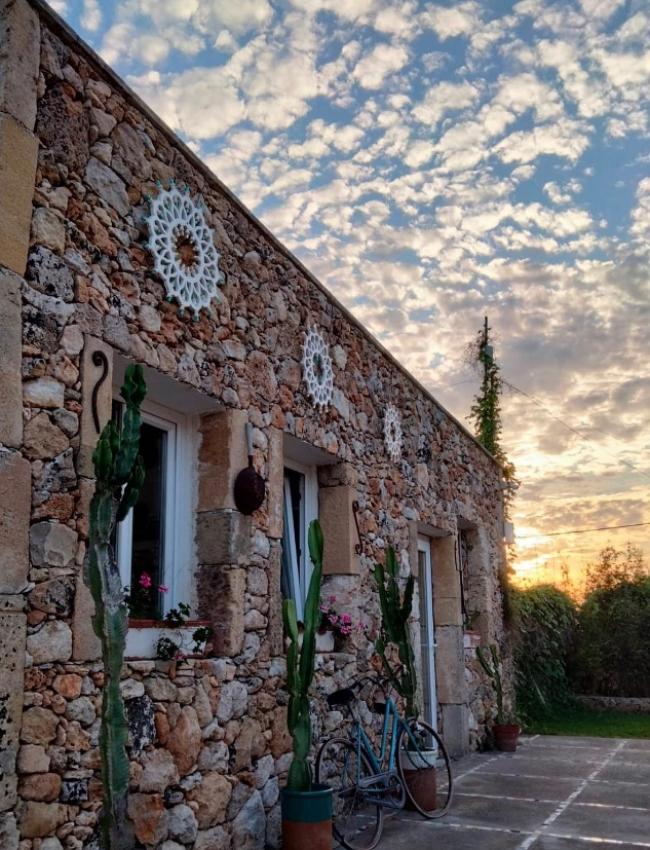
(143, 636)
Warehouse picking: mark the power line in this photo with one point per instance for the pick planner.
(582, 530)
(573, 430)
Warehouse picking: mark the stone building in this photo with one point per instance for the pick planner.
(109, 227)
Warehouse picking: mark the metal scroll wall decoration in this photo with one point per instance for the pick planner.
(393, 432)
(317, 368)
(182, 244)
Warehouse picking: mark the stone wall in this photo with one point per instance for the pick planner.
(209, 744)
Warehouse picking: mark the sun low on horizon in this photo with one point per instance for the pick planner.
(433, 163)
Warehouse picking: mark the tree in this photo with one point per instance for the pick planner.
(485, 413)
(615, 566)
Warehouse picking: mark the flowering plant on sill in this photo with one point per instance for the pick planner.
(341, 624)
(168, 648)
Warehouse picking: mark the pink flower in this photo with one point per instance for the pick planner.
(331, 599)
(324, 609)
(333, 619)
(163, 588)
(145, 580)
(346, 619)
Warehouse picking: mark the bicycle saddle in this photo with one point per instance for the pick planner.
(342, 697)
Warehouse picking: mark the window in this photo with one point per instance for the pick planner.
(154, 542)
(300, 508)
(463, 570)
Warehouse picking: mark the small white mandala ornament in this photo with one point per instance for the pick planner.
(182, 244)
(393, 432)
(317, 368)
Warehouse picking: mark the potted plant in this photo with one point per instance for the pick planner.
(337, 624)
(506, 734)
(306, 806)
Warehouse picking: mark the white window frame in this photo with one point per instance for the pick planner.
(301, 572)
(178, 511)
(426, 608)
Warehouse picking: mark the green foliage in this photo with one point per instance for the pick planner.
(576, 720)
(300, 664)
(614, 567)
(491, 664)
(544, 634)
(612, 657)
(395, 614)
(119, 475)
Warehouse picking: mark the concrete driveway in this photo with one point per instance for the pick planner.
(555, 793)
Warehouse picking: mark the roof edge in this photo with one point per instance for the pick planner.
(70, 35)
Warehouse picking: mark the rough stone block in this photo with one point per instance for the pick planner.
(91, 373)
(222, 454)
(455, 729)
(20, 51)
(446, 580)
(450, 664)
(11, 390)
(221, 595)
(223, 537)
(85, 643)
(15, 507)
(12, 651)
(339, 530)
(18, 152)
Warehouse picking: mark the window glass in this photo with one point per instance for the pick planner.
(293, 543)
(147, 546)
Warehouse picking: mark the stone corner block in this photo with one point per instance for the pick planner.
(85, 643)
(20, 53)
(339, 530)
(18, 154)
(221, 598)
(13, 628)
(222, 454)
(15, 508)
(11, 387)
(223, 537)
(91, 375)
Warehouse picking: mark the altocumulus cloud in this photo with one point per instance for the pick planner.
(433, 162)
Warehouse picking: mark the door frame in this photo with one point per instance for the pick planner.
(425, 584)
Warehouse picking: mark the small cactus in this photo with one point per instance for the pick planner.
(300, 665)
(492, 667)
(395, 613)
(119, 475)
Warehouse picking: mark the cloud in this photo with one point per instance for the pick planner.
(381, 62)
(91, 15)
(461, 19)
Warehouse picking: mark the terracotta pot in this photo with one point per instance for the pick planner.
(506, 736)
(423, 788)
(307, 819)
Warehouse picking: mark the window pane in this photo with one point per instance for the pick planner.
(292, 538)
(148, 522)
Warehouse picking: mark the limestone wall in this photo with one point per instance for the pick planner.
(209, 745)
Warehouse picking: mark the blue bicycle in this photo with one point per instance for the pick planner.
(411, 769)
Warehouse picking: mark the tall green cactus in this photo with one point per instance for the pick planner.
(300, 665)
(395, 613)
(492, 667)
(119, 475)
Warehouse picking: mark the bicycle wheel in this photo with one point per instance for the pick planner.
(424, 768)
(357, 821)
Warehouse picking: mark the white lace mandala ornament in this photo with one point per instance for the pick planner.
(182, 244)
(393, 432)
(317, 368)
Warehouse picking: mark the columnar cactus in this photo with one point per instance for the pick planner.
(395, 613)
(119, 475)
(492, 667)
(300, 665)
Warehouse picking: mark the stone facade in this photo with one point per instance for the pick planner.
(79, 154)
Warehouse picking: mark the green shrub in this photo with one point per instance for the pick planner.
(544, 633)
(612, 656)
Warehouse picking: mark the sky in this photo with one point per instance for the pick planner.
(433, 163)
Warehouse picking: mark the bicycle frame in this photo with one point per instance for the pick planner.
(388, 732)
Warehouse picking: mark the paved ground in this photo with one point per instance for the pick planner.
(555, 793)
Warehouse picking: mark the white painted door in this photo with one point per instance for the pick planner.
(427, 633)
